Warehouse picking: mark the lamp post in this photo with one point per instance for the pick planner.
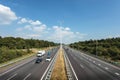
(96, 42)
(60, 34)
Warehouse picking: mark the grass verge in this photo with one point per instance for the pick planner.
(59, 71)
(32, 53)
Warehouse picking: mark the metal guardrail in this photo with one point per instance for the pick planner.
(103, 59)
(71, 75)
(48, 72)
(95, 56)
(68, 70)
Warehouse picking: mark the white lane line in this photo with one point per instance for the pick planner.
(93, 61)
(71, 67)
(111, 65)
(12, 76)
(117, 74)
(27, 76)
(49, 66)
(106, 68)
(15, 67)
(99, 64)
(82, 66)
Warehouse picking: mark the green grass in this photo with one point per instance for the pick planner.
(27, 55)
(16, 60)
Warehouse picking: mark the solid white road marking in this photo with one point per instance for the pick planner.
(106, 68)
(71, 67)
(117, 74)
(99, 64)
(15, 67)
(102, 61)
(49, 66)
(12, 76)
(27, 76)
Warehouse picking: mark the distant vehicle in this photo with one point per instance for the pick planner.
(40, 53)
(48, 54)
(38, 60)
(48, 58)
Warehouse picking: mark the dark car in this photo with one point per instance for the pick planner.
(38, 60)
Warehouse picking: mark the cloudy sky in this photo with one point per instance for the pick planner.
(73, 20)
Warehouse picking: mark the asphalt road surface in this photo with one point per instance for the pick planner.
(90, 68)
(28, 71)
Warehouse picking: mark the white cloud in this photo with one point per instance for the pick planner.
(28, 27)
(53, 34)
(6, 15)
(67, 28)
(23, 20)
(67, 35)
(40, 28)
(31, 25)
(29, 21)
(19, 29)
(36, 22)
(33, 35)
(55, 27)
(37, 29)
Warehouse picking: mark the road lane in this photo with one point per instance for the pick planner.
(86, 69)
(29, 71)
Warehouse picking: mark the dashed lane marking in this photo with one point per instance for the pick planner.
(99, 64)
(117, 74)
(106, 68)
(93, 61)
(27, 76)
(12, 76)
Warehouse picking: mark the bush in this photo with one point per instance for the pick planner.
(108, 48)
(8, 54)
(114, 51)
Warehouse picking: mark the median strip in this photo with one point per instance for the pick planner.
(59, 71)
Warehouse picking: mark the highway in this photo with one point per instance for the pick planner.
(90, 68)
(29, 70)
(85, 67)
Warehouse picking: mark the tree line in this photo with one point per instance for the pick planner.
(20, 43)
(107, 48)
(11, 47)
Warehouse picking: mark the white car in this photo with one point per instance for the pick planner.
(40, 53)
(48, 59)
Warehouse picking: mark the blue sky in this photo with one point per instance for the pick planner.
(76, 20)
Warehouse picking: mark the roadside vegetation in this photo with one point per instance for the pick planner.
(108, 49)
(11, 47)
(7, 54)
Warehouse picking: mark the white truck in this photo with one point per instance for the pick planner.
(40, 53)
